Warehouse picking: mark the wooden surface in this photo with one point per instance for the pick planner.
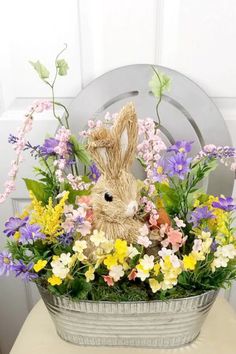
(38, 336)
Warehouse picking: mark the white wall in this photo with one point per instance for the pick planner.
(196, 38)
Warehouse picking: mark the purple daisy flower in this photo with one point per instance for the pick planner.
(13, 225)
(181, 146)
(94, 172)
(226, 204)
(159, 172)
(6, 262)
(66, 239)
(24, 271)
(30, 233)
(179, 165)
(47, 149)
(199, 214)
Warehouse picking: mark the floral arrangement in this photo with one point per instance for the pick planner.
(180, 242)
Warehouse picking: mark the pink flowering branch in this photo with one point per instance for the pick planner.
(38, 107)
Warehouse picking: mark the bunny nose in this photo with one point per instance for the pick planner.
(132, 208)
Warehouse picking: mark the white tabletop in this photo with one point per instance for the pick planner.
(38, 336)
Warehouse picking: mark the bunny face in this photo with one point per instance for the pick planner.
(115, 200)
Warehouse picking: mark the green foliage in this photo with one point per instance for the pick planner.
(200, 171)
(124, 292)
(41, 69)
(80, 151)
(39, 189)
(62, 67)
(159, 83)
(79, 289)
(169, 196)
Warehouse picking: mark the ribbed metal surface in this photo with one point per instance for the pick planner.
(138, 324)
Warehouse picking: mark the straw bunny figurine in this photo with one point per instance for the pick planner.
(115, 195)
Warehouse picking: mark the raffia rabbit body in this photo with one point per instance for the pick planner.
(115, 195)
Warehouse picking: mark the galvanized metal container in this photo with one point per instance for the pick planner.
(157, 324)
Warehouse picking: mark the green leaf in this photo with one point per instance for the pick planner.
(39, 189)
(80, 289)
(80, 151)
(159, 83)
(62, 67)
(41, 69)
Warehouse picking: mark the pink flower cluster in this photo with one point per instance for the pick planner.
(150, 146)
(172, 237)
(92, 124)
(77, 183)
(79, 219)
(62, 149)
(41, 105)
(38, 106)
(151, 210)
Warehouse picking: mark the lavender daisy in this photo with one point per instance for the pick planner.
(179, 165)
(159, 172)
(6, 262)
(181, 146)
(94, 172)
(47, 149)
(199, 214)
(226, 204)
(30, 233)
(24, 270)
(13, 225)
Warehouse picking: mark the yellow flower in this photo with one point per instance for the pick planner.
(54, 280)
(189, 262)
(156, 269)
(121, 249)
(90, 274)
(154, 285)
(40, 265)
(196, 203)
(110, 261)
(48, 216)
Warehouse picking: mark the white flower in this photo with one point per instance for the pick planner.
(98, 237)
(116, 272)
(197, 245)
(58, 269)
(179, 222)
(175, 261)
(107, 246)
(144, 241)
(147, 262)
(132, 251)
(205, 235)
(206, 245)
(65, 258)
(165, 252)
(154, 285)
(144, 231)
(228, 251)
(219, 262)
(142, 273)
(79, 246)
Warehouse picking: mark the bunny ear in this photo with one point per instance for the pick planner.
(126, 134)
(100, 146)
